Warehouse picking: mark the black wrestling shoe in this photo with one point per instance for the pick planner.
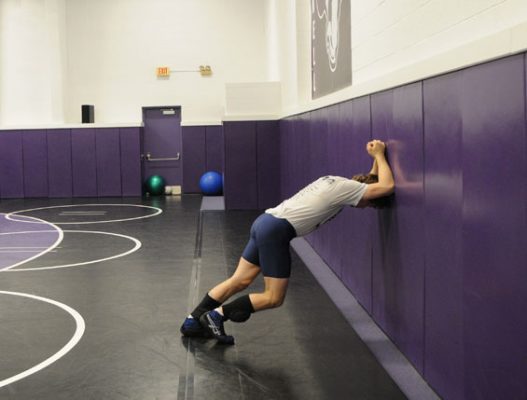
(212, 322)
(192, 328)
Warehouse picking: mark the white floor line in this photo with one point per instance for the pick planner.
(79, 331)
(12, 216)
(60, 237)
(137, 246)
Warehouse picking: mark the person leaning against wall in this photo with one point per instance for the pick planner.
(267, 251)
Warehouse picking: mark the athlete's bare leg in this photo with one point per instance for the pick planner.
(244, 275)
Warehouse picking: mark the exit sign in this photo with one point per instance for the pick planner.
(163, 72)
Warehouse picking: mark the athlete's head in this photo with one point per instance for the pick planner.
(380, 202)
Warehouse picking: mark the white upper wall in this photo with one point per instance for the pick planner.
(393, 34)
(115, 46)
(399, 41)
(56, 55)
(31, 61)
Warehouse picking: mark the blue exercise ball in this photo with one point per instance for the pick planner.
(211, 183)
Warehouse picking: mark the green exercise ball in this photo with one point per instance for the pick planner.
(155, 185)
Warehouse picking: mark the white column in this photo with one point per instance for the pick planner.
(32, 61)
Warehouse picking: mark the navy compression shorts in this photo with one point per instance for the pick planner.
(268, 246)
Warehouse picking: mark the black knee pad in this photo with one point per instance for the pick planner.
(239, 310)
(239, 316)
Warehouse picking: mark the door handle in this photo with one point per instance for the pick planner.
(149, 158)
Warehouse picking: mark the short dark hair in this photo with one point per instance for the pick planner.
(379, 202)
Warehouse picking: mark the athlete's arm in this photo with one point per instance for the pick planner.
(374, 168)
(386, 185)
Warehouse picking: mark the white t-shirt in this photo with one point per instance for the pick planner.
(318, 202)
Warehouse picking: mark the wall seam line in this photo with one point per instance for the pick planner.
(371, 231)
(423, 125)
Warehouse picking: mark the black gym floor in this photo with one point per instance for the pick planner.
(132, 304)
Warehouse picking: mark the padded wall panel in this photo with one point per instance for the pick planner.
(194, 157)
(286, 152)
(60, 176)
(131, 180)
(317, 166)
(11, 165)
(268, 163)
(292, 154)
(35, 163)
(215, 148)
(108, 160)
(240, 184)
(297, 179)
(340, 145)
(334, 255)
(357, 223)
(444, 368)
(398, 241)
(84, 163)
(494, 230)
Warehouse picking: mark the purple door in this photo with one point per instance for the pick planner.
(162, 143)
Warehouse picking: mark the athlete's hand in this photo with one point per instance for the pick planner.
(375, 148)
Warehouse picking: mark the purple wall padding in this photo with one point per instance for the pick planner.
(35, 146)
(268, 163)
(336, 243)
(130, 147)
(354, 232)
(11, 165)
(84, 163)
(203, 150)
(108, 161)
(286, 169)
(194, 157)
(443, 235)
(494, 230)
(241, 178)
(315, 162)
(398, 232)
(215, 148)
(442, 270)
(60, 179)
(96, 162)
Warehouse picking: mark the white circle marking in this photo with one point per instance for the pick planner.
(136, 247)
(52, 247)
(79, 331)
(10, 216)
